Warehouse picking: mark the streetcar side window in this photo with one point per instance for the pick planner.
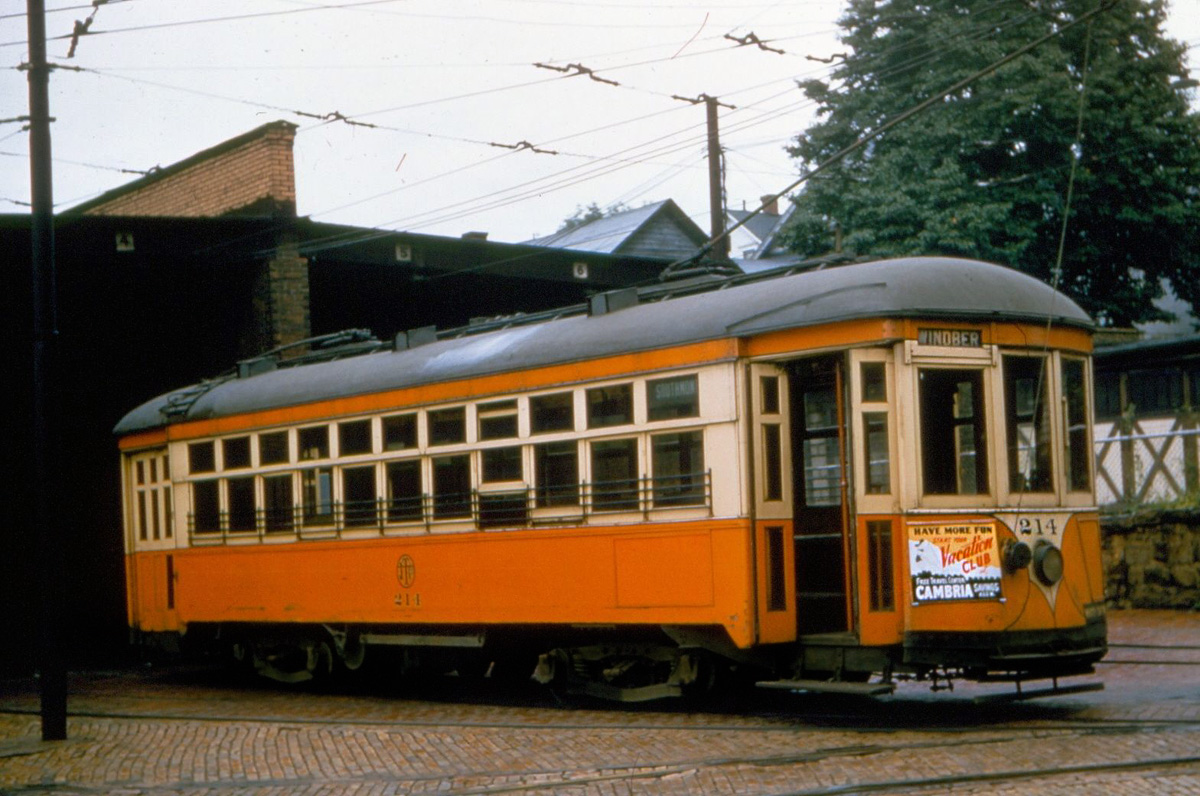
(1078, 456)
(273, 448)
(875, 432)
(452, 486)
(404, 490)
(953, 432)
(556, 473)
(206, 507)
(354, 437)
(497, 420)
(674, 397)
(358, 495)
(677, 461)
(316, 495)
(447, 426)
(235, 453)
(610, 406)
(242, 512)
(201, 457)
(314, 442)
(400, 432)
(501, 464)
(615, 474)
(278, 505)
(1027, 424)
(554, 412)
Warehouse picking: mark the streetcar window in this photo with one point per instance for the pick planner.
(400, 432)
(500, 509)
(140, 468)
(776, 569)
(448, 426)
(556, 473)
(206, 507)
(404, 490)
(314, 443)
(770, 395)
(354, 437)
(358, 495)
(201, 457)
(1027, 420)
(554, 412)
(879, 565)
(235, 453)
(773, 460)
(822, 472)
(242, 513)
(142, 515)
(874, 382)
(674, 397)
(316, 495)
(273, 448)
(452, 486)
(875, 431)
(953, 438)
(277, 503)
(1078, 454)
(501, 464)
(615, 474)
(497, 420)
(610, 406)
(677, 462)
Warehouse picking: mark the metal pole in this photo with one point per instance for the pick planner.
(47, 529)
(716, 201)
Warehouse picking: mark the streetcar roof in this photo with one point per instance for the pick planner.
(925, 287)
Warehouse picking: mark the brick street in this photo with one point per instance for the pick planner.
(191, 730)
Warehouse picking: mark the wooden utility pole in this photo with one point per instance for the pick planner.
(718, 245)
(47, 528)
(716, 193)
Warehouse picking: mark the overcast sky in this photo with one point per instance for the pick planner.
(442, 82)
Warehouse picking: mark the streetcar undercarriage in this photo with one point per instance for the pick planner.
(647, 663)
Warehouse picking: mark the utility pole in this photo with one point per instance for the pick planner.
(718, 245)
(46, 453)
(716, 192)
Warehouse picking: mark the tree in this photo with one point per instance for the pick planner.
(586, 215)
(985, 172)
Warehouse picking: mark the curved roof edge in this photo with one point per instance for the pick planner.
(933, 287)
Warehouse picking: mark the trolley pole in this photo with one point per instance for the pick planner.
(46, 392)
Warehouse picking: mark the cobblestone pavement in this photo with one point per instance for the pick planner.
(193, 731)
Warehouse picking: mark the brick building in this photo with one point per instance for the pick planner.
(175, 277)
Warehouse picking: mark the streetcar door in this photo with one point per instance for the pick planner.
(819, 488)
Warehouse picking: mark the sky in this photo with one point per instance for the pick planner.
(411, 113)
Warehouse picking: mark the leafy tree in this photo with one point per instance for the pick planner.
(985, 172)
(585, 215)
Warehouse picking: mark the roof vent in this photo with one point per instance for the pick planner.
(612, 301)
(416, 337)
(252, 367)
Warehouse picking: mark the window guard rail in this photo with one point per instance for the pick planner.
(524, 507)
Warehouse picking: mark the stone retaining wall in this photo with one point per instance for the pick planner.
(1152, 559)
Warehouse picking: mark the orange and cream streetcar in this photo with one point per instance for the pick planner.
(829, 479)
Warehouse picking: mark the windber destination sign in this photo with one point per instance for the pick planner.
(954, 561)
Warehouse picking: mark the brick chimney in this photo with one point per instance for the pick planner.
(771, 204)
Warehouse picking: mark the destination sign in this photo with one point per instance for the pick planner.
(951, 338)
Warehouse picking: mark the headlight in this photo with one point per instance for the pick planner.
(1047, 563)
(1017, 556)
